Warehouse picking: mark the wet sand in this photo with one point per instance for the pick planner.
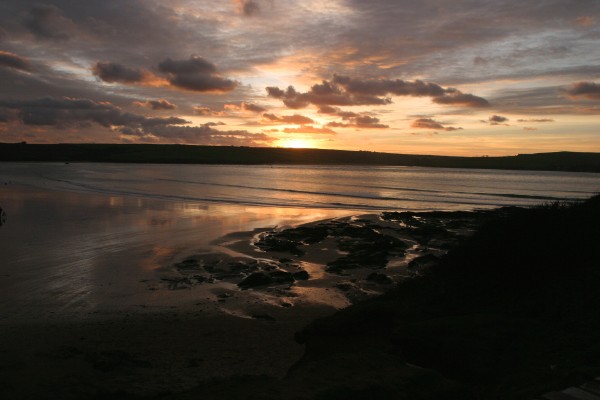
(206, 316)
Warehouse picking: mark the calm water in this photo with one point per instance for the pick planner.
(350, 188)
(83, 237)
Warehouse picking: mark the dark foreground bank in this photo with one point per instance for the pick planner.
(510, 314)
(185, 154)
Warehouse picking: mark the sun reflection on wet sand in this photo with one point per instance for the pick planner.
(73, 252)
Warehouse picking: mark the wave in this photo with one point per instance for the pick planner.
(374, 197)
(399, 203)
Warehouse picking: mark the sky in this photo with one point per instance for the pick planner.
(447, 77)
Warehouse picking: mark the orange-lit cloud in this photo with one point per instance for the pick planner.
(296, 119)
(160, 104)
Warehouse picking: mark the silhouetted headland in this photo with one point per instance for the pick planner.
(187, 154)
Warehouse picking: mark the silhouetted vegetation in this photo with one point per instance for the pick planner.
(185, 154)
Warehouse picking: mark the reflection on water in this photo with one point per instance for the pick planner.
(67, 252)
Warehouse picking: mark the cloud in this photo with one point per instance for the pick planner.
(529, 128)
(195, 74)
(255, 108)
(243, 106)
(204, 134)
(287, 119)
(540, 120)
(325, 93)
(116, 73)
(160, 104)
(357, 120)
(456, 98)
(66, 111)
(11, 60)
(360, 121)
(429, 123)
(204, 111)
(346, 91)
(497, 120)
(309, 129)
(48, 22)
(590, 90)
(248, 7)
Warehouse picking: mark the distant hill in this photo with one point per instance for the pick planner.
(186, 154)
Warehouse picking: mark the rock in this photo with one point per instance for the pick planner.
(188, 265)
(423, 262)
(345, 286)
(380, 278)
(281, 277)
(301, 276)
(255, 279)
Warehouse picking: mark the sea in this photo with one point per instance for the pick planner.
(83, 238)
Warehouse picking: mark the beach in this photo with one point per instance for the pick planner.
(204, 317)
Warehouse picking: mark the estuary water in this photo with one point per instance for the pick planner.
(83, 238)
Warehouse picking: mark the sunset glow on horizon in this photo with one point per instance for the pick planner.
(444, 77)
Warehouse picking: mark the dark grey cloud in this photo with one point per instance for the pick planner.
(497, 120)
(384, 87)
(287, 119)
(429, 123)
(589, 90)
(454, 97)
(347, 91)
(73, 112)
(352, 119)
(116, 73)
(255, 108)
(195, 74)
(11, 60)
(47, 21)
(325, 93)
(160, 104)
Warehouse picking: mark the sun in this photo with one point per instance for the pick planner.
(296, 143)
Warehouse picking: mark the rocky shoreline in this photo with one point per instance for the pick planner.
(356, 257)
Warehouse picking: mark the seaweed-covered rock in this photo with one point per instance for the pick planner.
(367, 248)
(274, 242)
(255, 279)
(289, 240)
(281, 276)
